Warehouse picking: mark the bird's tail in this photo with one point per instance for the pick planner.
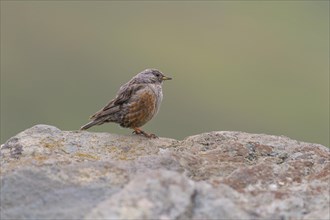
(90, 124)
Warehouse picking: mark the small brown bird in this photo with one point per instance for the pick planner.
(136, 103)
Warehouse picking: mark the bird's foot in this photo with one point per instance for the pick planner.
(140, 132)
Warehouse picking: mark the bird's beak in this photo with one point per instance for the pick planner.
(166, 78)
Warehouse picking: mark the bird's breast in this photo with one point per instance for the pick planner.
(142, 107)
(157, 89)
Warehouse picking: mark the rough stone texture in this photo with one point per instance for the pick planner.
(54, 174)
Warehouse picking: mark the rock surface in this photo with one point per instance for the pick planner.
(54, 174)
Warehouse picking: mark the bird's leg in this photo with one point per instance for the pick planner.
(140, 132)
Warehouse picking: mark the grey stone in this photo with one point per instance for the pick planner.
(156, 195)
(47, 173)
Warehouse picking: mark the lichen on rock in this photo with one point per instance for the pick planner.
(54, 174)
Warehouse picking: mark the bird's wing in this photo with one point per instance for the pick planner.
(124, 94)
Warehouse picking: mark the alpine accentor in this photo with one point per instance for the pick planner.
(136, 103)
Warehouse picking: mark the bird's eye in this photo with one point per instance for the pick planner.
(157, 74)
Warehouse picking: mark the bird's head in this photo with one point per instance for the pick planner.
(151, 76)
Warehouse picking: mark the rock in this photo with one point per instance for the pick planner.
(54, 174)
(160, 194)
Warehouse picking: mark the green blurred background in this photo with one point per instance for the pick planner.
(259, 67)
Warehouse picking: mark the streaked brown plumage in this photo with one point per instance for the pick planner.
(136, 103)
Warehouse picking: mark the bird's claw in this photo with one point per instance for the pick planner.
(140, 132)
